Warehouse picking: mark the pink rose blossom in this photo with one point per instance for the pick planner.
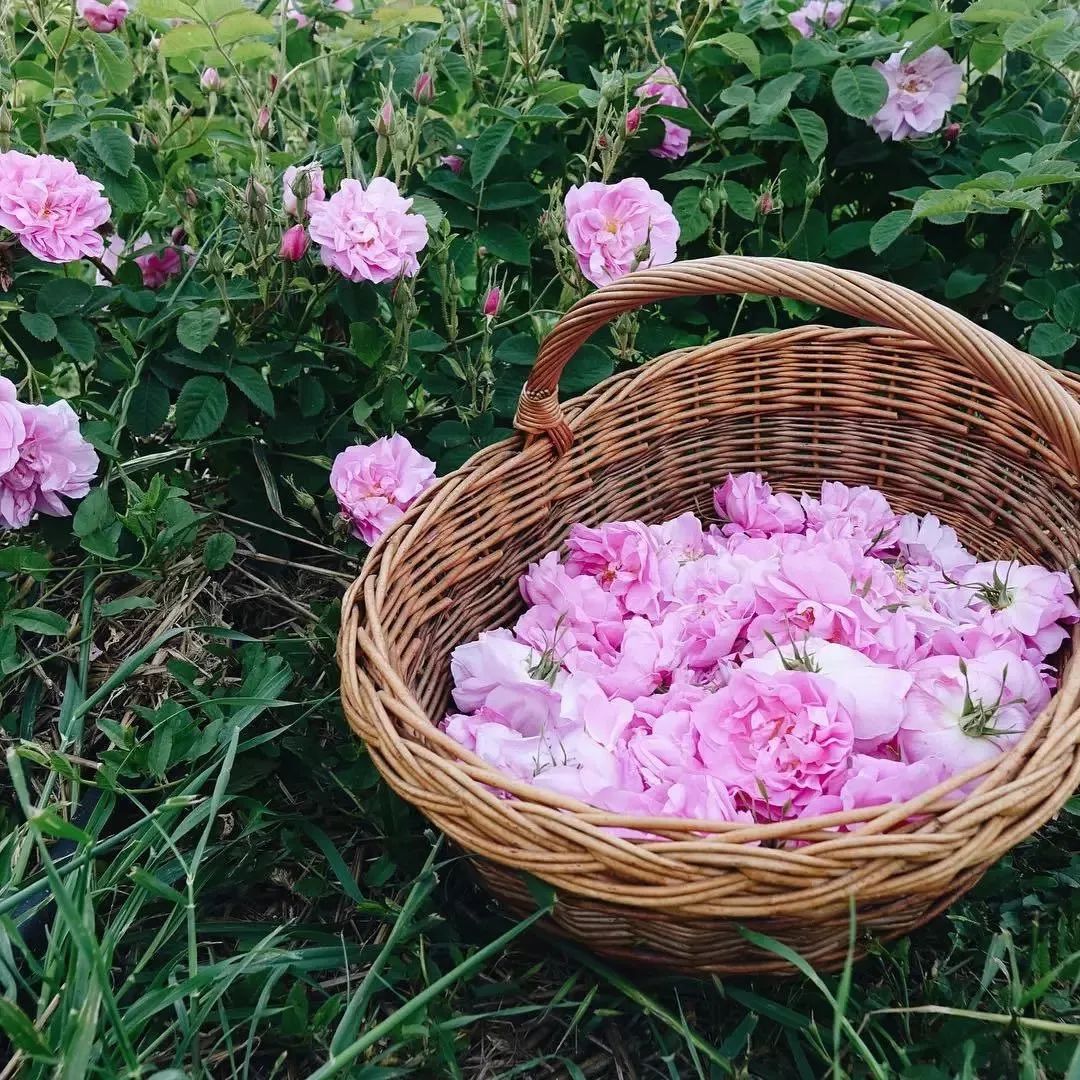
(110, 258)
(376, 484)
(921, 92)
(294, 243)
(344, 6)
(102, 18)
(616, 228)
(294, 12)
(158, 266)
(662, 87)
(926, 541)
(290, 201)
(748, 504)
(633, 120)
(623, 557)
(494, 660)
(858, 512)
(775, 738)
(43, 458)
(814, 13)
(369, 234)
(874, 781)
(51, 207)
(492, 302)
(963, 712)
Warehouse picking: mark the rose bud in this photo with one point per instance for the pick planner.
(210, 80)
(492, 302)
(950, 133)
(765, 203)
(178, 236)
(294, 243)
(423, 91)
(384, 118)
(633, 120)
(453, 162)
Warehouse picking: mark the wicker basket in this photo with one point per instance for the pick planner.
(938, 413)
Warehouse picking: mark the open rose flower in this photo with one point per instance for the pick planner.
(616, 228)
(376, 484)
(779, 739)
(159, 265)
(102, 18)
(921, 92)
(662, 87)
(43, 459)
(51, 207)
(816, 13)
(748, 505)
(368, 234)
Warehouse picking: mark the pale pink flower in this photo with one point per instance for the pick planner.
(623, 557)
(927, 541)
(210, 80)
(51, 207)
(294, 243)
(747, 503)
(814, 13)
(494, 660)
(454, 162)
(102, 18)
(662, 87)
(313, 181)
(921, 92)
(158, 266)
(874, 781)
(369, 234)
(376, 484)
(344, 6)
(779, 739)
(296, 13)
(616, 228)
(110, 257)
(859, 512)
(50, 461)
(963, 712)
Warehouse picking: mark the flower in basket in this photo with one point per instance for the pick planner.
(748, 505)
(662, 87)
(616, 228)
(368, 234)
(921, 92)
(376, 484)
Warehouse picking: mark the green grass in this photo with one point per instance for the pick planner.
(238, 895)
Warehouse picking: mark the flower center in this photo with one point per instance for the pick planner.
(914, 84)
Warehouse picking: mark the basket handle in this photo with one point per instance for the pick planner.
(1023, 378)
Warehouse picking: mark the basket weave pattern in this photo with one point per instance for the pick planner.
(936, 412)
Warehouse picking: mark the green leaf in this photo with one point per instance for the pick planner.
(429, 210)
(962, 282)
(812, 131)
(589, 366)
(195, 330)
(996, 11)
(148, 407)
(849, 237)
(1067, 308)
(739, 198)
(201, 407)
(234, 27)
(693, 220)
(19, 1028)
(39, 324)
(23, 560)
(253, 385)
(127, 603)
(860, 91)
(505, 242)
(77, 338)
(128, 194)
(743, 49)
(63, 296)
(488, 148)
(35, 620)
(509, 196)
(112, 61)
(94, 513)
(219, 550)
(115, 148)
(887, 229)
(933, 203)
(1048, 340)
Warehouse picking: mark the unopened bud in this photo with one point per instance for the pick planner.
(492, 302)
(384, 118)
(951, 133)
(453, 162)
(294, 243)
(191, 197)
(611, 85)
(423, 91)
(765, 203)
(262, 123)
(6, 128)
(346, 127)
(256, 199)
(643, 254)
(178, 236)
(633, 120)
(210, 80)
(273, 81)
(301, 184)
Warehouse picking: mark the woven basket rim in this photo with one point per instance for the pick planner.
(934, 809)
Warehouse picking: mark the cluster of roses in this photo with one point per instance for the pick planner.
(806, 656)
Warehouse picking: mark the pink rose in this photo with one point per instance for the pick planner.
(616, 228)
(858, 512)
(311, 187)
(454, 162)
(492, 302)
(748, 504)
(294, 243)
(926, 541)
(158, 266)
(779, 739)
(102, 18)
(376, 484)
(921, 92)
(623, 557)
(874, 781)
(662, 87)
(43, 458)
(51, 207)
(369, 234)
(962, 712)
(814, 13)
(495, 659)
